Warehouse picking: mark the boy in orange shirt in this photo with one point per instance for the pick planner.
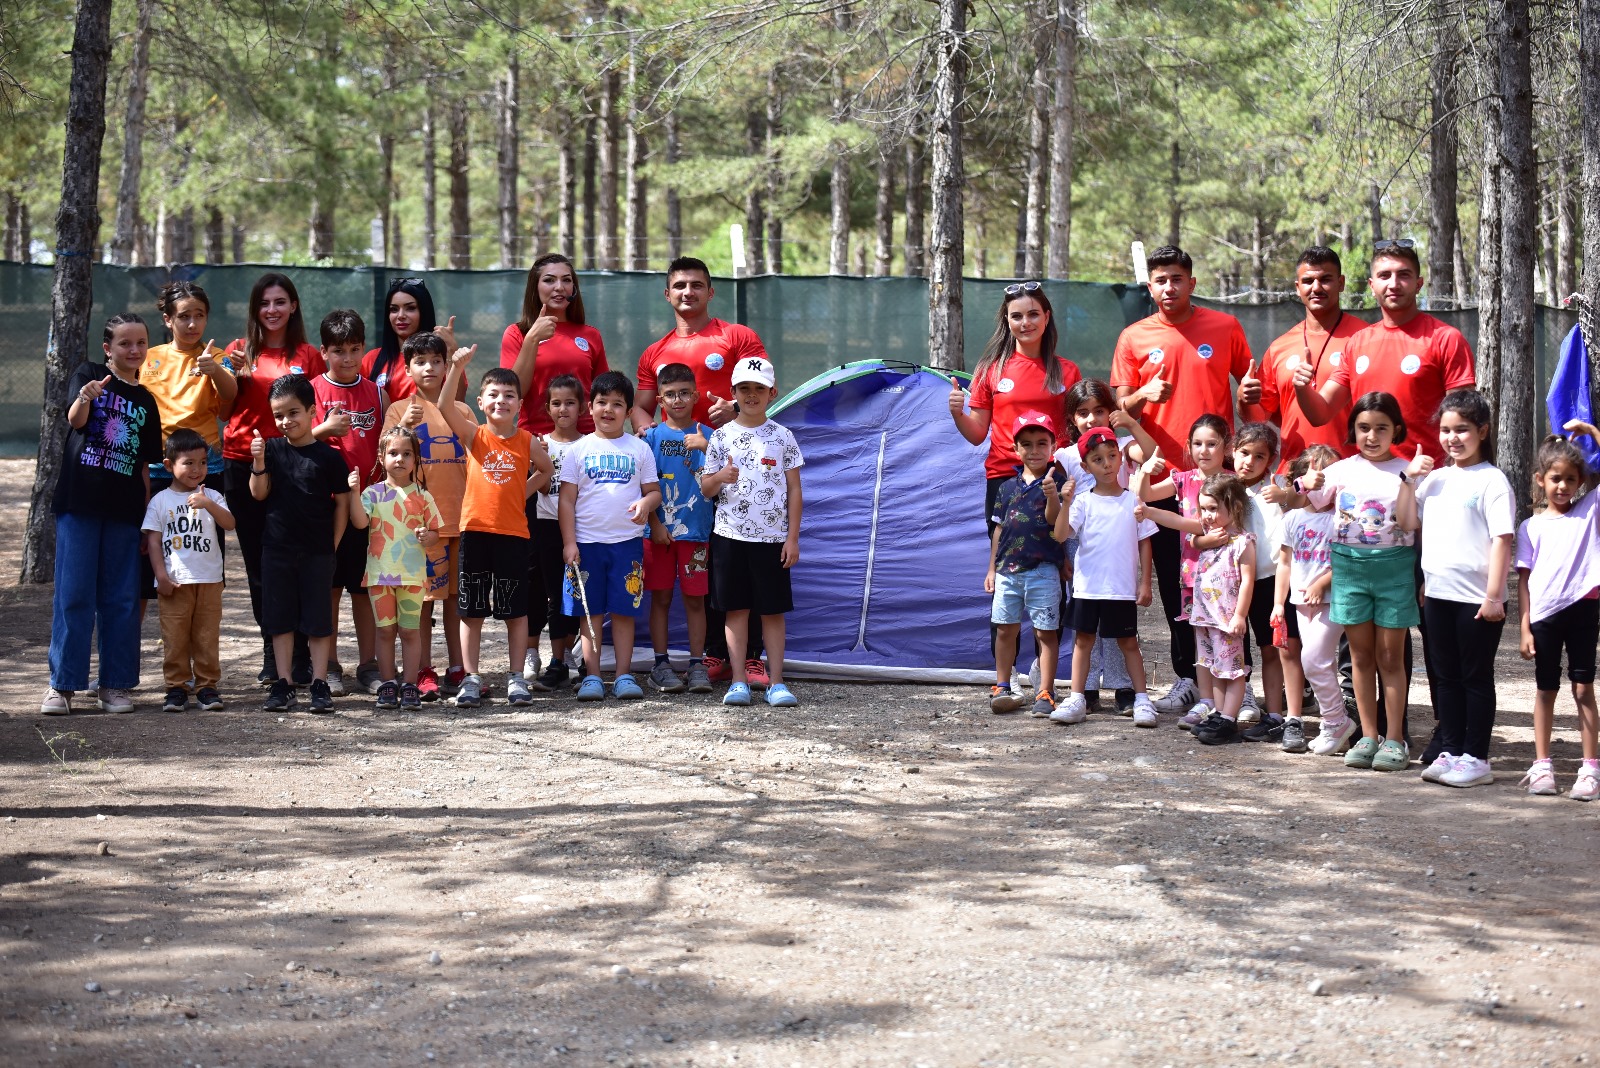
(494, 522)
(442, 470)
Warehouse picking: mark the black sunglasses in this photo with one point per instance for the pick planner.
(1023, 287)
(1404, 242)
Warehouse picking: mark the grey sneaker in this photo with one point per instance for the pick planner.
(699, 678)
(1294, 736)
(336, 682)
(56, 702)
(471, 692)
(368, 678)
(530, 665)
(112, 700)
(663, 678)
(517, 692)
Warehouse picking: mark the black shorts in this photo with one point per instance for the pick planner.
(1261, 602)
(350, 562)
(1291, 621)
(1108, 619)
(749, 576)
(494, 576)
(1576, 627)
(294, 593)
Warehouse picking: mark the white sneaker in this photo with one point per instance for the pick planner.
(1440, 767)
(336, 685)
(1074, 709)
(1033, 676)
(1178, 699)
(1540, 779)
(1250, 711)
(1587, 788)
(1144, 713)
(1334, 738)
(530, 665)
(1470, 771)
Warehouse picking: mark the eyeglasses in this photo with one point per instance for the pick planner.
(1385, 245)
(1017, 288)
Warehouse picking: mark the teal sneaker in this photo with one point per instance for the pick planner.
(592, 688)
(1362, 753)
(1391, 756)
(780, 696)
(625, 688)
(738, 694)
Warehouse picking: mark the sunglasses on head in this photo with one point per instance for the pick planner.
(1385, 245)
(1023, 287)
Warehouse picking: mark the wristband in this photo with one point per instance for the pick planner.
(253, 470)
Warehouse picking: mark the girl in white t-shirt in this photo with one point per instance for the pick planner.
(1312, 643)
(1373, 494)
(1469, 528)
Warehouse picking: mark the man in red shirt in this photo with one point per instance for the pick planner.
(711, 348)
(1168, 370)
(1407, 353)
(1297, 368)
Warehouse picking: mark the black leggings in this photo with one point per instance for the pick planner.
(1461, 650)
(1167, 557)
(545, 575)
(250, 519)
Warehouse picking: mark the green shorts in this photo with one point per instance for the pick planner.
(1374, 586)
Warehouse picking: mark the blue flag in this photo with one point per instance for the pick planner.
(1569, 396)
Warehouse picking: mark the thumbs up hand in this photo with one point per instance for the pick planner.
(258, 448)
(1156, 466)
(1305, 374)
(1420, 465)
(958, 400)
(92, 390)
(1158, 390)
(338, 421)
(721, 410)
(1250, 385)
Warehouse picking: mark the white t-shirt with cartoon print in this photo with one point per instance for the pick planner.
(755, 508)
(550, 496)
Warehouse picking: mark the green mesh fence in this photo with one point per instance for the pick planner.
(808, 324)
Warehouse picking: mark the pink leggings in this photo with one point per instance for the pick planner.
(1319, 652)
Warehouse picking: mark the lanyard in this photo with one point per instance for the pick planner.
(1305, 339)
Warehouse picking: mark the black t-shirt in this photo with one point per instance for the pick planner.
(300, 503)
(102, 471)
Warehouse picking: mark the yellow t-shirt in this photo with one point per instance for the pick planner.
(185, 400)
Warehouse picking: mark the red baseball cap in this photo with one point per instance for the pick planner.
(1095, 435)
(1038, 419)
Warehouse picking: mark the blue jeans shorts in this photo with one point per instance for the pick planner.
(1036, 591)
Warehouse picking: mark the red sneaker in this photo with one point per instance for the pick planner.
(718, 669)
(428, 684)
(755, 673)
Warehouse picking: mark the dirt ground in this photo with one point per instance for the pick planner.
(883, 876)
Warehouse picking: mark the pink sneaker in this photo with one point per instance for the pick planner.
(1540, 779)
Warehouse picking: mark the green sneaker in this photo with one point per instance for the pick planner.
(1391, 756)
(1362, 753)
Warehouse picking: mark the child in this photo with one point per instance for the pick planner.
(1208, 448)
(1469, 524)
(183, 539)
(1025, 563)
(442, 470)
(114, 433)
(680, 529)
(1303, 577)
(1090, 402)
(304, 483)
(403, 523)
(188, 377)
(1374, 585)
(547, 573)
(349, 410)
(1255, 454)
(1112, 575)
(1224, 585)
(1558, 568)
(752, 471)
(504, 464)
(608, 488)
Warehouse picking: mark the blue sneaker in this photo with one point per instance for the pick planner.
(779, 696)
(624, 688)
(592, 688)
(738, 694)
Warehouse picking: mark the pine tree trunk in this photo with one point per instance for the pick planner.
(320, 247)
(589, 193)
(1019, 245)
(915, 262)
(1519, 197)
(1174, 198)
(10, 246)
(72, 290)
(1589, 112)
(567, 186)
(1375, 209)
(1258, 260)
(237, 240)
(883, 258)
(774, 178)
(1063, 126)
(1545, 267)
(460, 206)
(1490, 281)
(508, 163)
(127, 225)
(755, 209)
(386, 186)
(215, 253)
(1443, 220)
(636, 225)
(1038, 144)
(430, 190)
(948, 184)
(1567, 231)
(839, 190)
(674, 209)
(610, 91)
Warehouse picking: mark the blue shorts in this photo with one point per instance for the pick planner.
(613, 580)
(1037, 590)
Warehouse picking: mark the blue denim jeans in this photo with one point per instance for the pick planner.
(97, 589)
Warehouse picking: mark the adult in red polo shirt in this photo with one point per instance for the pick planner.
(1014, 376)
(1302, 362)
(1407, 353)
(708, 346)
(1169, 370)
(552, 340)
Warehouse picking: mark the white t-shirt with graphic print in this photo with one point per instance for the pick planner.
(755, 508)
(610, 474)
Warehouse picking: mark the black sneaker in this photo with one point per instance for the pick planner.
(1294, 736)
(389, 696)
(1216, 730)
(1270, 729)
(553, 678)
(208, 699)
(177, 700)
(300, 673)
(321, 697)
(269, 667)
(281, 699)
(1124, 699)
(1092, 699)
(410, 697)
